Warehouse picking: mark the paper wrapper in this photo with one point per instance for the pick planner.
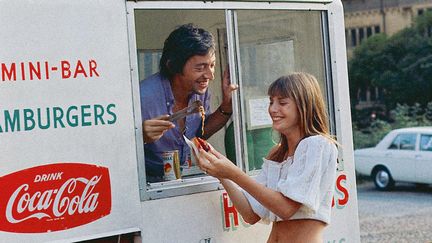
(194, 150)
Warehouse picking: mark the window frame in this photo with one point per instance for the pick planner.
(420, 142)
(206, 183)
(399, 144)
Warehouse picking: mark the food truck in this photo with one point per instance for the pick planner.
(72, 158)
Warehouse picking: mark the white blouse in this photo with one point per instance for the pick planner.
(308, 177)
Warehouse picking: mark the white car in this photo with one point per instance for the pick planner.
(402, 155)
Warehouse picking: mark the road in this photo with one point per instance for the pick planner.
(401, 215)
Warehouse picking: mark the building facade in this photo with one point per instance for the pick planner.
(364, 18)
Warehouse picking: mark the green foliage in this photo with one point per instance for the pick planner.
(422, 22)
(407, 76)
(400, 64)
(370, 136)
(403, 116)
(410, 116)
(366, 62)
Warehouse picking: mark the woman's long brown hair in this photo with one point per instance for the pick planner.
(304, 89)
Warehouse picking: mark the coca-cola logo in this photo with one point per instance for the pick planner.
(54, 197)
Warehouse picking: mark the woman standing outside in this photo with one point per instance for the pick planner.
(294, 189)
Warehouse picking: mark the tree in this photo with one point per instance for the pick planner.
(407, 75)
(366, 63)
(401, 65)
(364, 67)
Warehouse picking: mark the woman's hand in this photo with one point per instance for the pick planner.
(217, 165)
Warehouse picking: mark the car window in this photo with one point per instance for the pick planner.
(426, 142)
(404, 142)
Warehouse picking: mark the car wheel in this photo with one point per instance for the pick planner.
(382, 179)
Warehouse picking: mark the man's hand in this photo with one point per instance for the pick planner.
(154, 128)
(219, 117)
(227, 89)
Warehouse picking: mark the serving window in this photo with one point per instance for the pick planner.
(273, 43)
(259, 46)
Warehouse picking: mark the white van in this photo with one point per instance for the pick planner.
(72, 158)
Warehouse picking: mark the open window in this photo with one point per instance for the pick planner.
(260, 45)
(272, 43)
(180, 175)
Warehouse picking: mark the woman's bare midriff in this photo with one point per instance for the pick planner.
(299, 230)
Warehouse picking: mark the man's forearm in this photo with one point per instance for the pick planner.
(215, 122)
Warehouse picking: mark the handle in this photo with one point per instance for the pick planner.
(193, 108)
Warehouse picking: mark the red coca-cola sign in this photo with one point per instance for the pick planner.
(54, 197)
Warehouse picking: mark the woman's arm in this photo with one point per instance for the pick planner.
(220, 167)
(240, 202)
(273, 200)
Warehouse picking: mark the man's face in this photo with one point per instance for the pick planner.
(197, 72)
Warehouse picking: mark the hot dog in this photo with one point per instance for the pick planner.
(201, 143)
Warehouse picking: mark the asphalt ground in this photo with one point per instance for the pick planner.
(403, 214)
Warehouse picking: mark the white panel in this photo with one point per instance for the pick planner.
(80, 30)
(197, 217)
(345, 225)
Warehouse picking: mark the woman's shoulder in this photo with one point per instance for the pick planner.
(316, 141)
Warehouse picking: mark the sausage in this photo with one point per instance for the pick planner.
(201, 143)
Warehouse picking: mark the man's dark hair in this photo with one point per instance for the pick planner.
(184, 42)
